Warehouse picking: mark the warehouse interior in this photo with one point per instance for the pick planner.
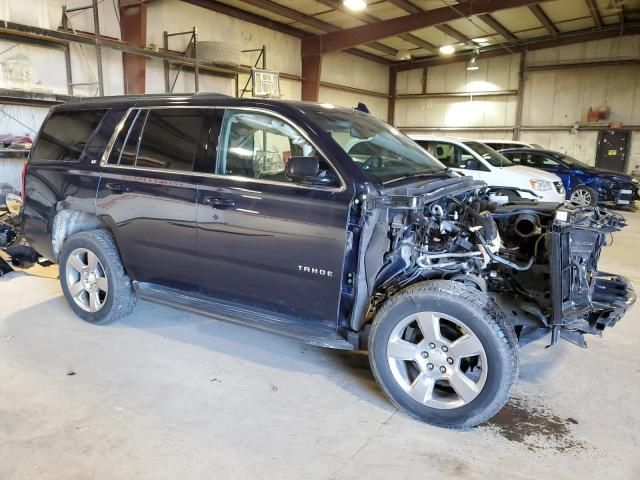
(166, 393)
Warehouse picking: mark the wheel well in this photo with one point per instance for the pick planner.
(70, 222)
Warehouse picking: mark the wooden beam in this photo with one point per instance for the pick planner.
(351, 37)
(287, 12)
(595, 13)
(311, 70)
(133, 30)
(498, 27)
(549, 41)
(543, 19)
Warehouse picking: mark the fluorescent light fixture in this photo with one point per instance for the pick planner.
(355, 5)
(447, 49)
(480, 40)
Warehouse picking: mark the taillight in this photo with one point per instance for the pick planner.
(24, 183)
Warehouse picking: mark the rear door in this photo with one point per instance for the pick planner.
(263, 240)
(148, 192)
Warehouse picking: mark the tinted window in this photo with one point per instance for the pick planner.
(455, 156)
(158, 138)
(65, 134)
(257, 145)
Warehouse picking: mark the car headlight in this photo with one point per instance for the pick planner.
(540, 185)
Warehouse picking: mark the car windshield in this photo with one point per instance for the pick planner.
(489, 154)
(572, 162)
(384, 154)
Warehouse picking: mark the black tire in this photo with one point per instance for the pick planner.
(489, 325)
(120, 299)
(586, 191)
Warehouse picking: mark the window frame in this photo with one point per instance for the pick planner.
(104, 160)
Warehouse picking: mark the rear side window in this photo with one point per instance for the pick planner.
(64, 135)
(163, 139)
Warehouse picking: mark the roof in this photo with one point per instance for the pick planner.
(465, 25)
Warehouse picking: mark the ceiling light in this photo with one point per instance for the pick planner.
(355, 5)
(447, 49)
(403, 55)
(480, 40)
(472, 65)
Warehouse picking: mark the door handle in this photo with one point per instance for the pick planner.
(218, 202)
(116, 187)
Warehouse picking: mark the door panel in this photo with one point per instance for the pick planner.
(613, 147)
(264, 240)
(148, 194)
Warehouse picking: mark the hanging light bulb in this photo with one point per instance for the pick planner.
(403, 55)
(473, 61)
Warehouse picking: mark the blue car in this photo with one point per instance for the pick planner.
(583, 183)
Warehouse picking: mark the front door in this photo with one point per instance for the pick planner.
(461, 160)
(148, 192)
(263, 240)
(613, 148)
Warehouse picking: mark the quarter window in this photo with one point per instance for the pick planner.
(65, 135)
(256, 145)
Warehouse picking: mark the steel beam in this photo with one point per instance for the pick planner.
(393, 92)
(567, 38)
(364, 34)
(595, 13)
(453, 33)
(311, 69)
(544, 19)
(498, 27)
(133, 30)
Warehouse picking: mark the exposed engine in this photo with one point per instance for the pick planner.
(537, 260)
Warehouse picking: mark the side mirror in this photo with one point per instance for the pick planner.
(472, 164)
(299, 168)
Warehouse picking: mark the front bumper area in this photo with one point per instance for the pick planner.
(611, 296)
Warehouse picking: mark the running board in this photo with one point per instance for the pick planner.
(318, 334)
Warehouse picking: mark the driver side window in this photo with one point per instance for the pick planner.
(258, 145)
(455, 157)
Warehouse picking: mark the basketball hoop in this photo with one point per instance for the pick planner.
(266, 83)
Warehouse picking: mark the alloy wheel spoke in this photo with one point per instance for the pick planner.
(429, 326)
(75, 263)
(76, 289)
(463, 386)
(94, 301)
(92, 261)
(422, 388)
(466, 346)
(102, 284)
(401, 349)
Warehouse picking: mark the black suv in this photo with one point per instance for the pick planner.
(253, 211)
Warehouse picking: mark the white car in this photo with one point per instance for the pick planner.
(481, 162)
(504, 144)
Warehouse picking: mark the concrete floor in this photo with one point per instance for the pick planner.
(166, 394)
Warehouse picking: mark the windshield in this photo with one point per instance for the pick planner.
(572, 162)
(382, 153)
(489, 154)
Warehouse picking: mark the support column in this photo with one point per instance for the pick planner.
(133, 30)
(520, 98)
(311, 69)
(391, 105)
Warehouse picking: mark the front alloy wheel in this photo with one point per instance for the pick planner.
(437, 360)
(444, 353)
(584, 196)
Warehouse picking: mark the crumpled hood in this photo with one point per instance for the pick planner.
(608, 174)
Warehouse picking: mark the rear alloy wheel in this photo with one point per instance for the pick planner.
(584, 196)
(444, 353)
(93, 279)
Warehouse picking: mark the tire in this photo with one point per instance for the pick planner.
(582, 193)
(90, 262)
(496, 366)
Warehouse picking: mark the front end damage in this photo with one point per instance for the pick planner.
(538, 261)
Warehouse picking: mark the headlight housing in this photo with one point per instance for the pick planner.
(540, 185)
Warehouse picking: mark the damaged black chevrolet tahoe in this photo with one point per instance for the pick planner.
(321, 223)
